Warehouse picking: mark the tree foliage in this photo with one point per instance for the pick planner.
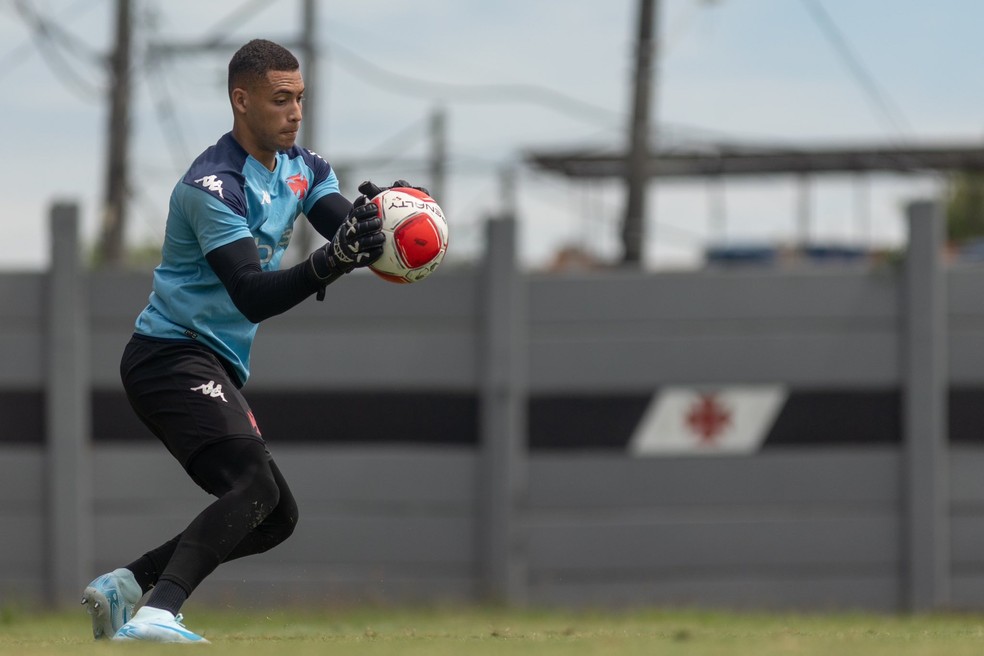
(965, 207)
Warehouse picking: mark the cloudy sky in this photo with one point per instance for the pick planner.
(510, 76)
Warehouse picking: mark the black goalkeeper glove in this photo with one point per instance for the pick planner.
(358, 242)
(371, 190)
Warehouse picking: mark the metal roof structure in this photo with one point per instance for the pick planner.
(751, 160)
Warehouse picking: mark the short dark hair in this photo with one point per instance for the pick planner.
(257, 58)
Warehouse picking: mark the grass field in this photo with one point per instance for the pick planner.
(475, 632)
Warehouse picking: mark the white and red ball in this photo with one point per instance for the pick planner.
(416, 235)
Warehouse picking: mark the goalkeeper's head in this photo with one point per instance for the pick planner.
(251, 63)
(265, 91)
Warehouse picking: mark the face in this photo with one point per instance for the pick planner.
(269, 112)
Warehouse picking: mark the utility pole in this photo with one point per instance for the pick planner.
(804, 214)
(637, 161)
(305, 43)
(309, 133)
(439, 154)
(117, 186)
(508, 192)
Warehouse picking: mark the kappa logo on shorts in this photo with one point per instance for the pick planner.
(210, 389)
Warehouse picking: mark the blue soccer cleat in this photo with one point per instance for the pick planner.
(110, 600)
(157, 625)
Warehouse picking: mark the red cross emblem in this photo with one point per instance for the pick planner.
(708, 418)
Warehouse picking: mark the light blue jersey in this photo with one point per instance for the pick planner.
(226, 195)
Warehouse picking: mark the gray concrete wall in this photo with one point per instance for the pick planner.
(803, 527)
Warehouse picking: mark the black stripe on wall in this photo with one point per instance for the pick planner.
(582, 421)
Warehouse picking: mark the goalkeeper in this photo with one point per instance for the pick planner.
(229, 222)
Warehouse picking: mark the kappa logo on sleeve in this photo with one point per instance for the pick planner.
(213, 183)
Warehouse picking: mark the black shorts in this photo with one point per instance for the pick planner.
(185, 394)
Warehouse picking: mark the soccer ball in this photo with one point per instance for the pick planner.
(416, 235)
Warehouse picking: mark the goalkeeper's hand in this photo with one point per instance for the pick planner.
(358, 242)
(371, 190)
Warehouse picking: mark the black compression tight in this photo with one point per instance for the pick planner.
(254, 512)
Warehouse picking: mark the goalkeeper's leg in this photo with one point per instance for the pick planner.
(248, 484)
(254, 512)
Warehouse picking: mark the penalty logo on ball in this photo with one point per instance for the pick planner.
(416, 234)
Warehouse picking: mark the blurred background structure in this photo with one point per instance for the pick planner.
(469, 100)
(753, 439)
(679, 229)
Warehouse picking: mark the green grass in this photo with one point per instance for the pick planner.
(476, 632)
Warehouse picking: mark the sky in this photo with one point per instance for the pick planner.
(510, 77)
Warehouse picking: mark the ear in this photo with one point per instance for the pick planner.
(240, 100)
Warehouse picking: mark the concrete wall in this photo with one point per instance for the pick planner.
(811, 526)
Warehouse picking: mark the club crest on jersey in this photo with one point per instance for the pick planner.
(212, 183)
(298, 184)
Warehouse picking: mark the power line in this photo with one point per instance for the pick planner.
(398, 83)
(15, 56)
(400, 141)
(406, 85)
(237, 17)
(864, 78)
(51, 29)
(50, 40)
(166, 115)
